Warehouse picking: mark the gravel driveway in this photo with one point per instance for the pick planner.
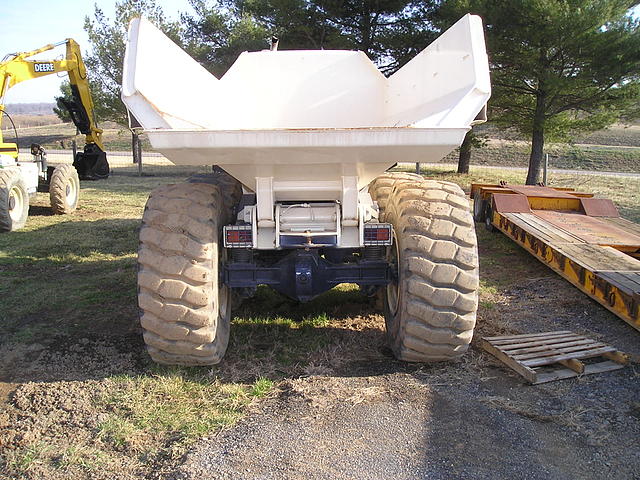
(473, 419)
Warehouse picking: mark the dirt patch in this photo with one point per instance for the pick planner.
(49, 421)
(95, 408)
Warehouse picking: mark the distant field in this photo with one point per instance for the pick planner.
(58, 136)
(614, 149)
(514, 153)
(628, 135)
(615, 135)
(30, 120)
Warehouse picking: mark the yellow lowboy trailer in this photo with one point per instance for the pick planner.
(580, 237)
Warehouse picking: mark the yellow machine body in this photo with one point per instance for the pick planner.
(19, 67)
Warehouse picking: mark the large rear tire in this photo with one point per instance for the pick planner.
(430, 307)
(185, 311)
(64, 189)
(230, 188)
(14, 200)
(382, 186)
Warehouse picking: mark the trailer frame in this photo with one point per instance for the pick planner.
(581, 238)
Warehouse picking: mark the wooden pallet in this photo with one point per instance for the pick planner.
(544, 357)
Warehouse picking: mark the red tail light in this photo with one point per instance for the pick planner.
(378, 234)
(238, 236)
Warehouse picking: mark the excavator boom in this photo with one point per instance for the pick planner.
(92, 163)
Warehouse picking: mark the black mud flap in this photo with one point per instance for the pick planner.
(92, 163)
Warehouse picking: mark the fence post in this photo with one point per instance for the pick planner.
(418, 168)
(136, 148)
(545, 167)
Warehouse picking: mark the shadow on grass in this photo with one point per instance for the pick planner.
(82, 305)
(69, 299)
(105, 339)
(70, 241)
(39, 211)
(67, 277)
(503, 262)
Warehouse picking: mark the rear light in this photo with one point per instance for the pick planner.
(238, 236)
(378, 234)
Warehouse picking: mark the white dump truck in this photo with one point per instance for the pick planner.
(299, 200)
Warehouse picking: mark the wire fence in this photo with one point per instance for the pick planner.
(116, 158)
(622, 187)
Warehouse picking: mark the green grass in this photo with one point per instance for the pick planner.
(69, 279)
(173, 407)
(81, 457)
(26, 459)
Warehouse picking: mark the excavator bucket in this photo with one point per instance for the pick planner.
(92, 163)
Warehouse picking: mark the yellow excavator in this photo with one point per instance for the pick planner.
(18, 179)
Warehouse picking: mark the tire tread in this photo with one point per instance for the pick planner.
(177, 284)
(439, 269)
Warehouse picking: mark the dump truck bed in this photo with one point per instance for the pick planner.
(320, 154)
(307, 115)
(580, 237)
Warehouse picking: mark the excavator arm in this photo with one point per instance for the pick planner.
(16, 68)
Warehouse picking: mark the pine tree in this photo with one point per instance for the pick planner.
(558, 66)
(104, 63)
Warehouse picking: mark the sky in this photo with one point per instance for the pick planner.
(31, 24)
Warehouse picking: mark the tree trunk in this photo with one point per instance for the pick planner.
(537, 141)
(465, 153)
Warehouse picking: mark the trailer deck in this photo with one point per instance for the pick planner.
(582, 238)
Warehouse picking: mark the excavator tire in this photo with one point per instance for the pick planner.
(430, 307)
(14, 200)
(185, 311)
(382, 185)
(231, 188)
(64, 189)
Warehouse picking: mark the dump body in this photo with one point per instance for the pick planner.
(307, 116)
